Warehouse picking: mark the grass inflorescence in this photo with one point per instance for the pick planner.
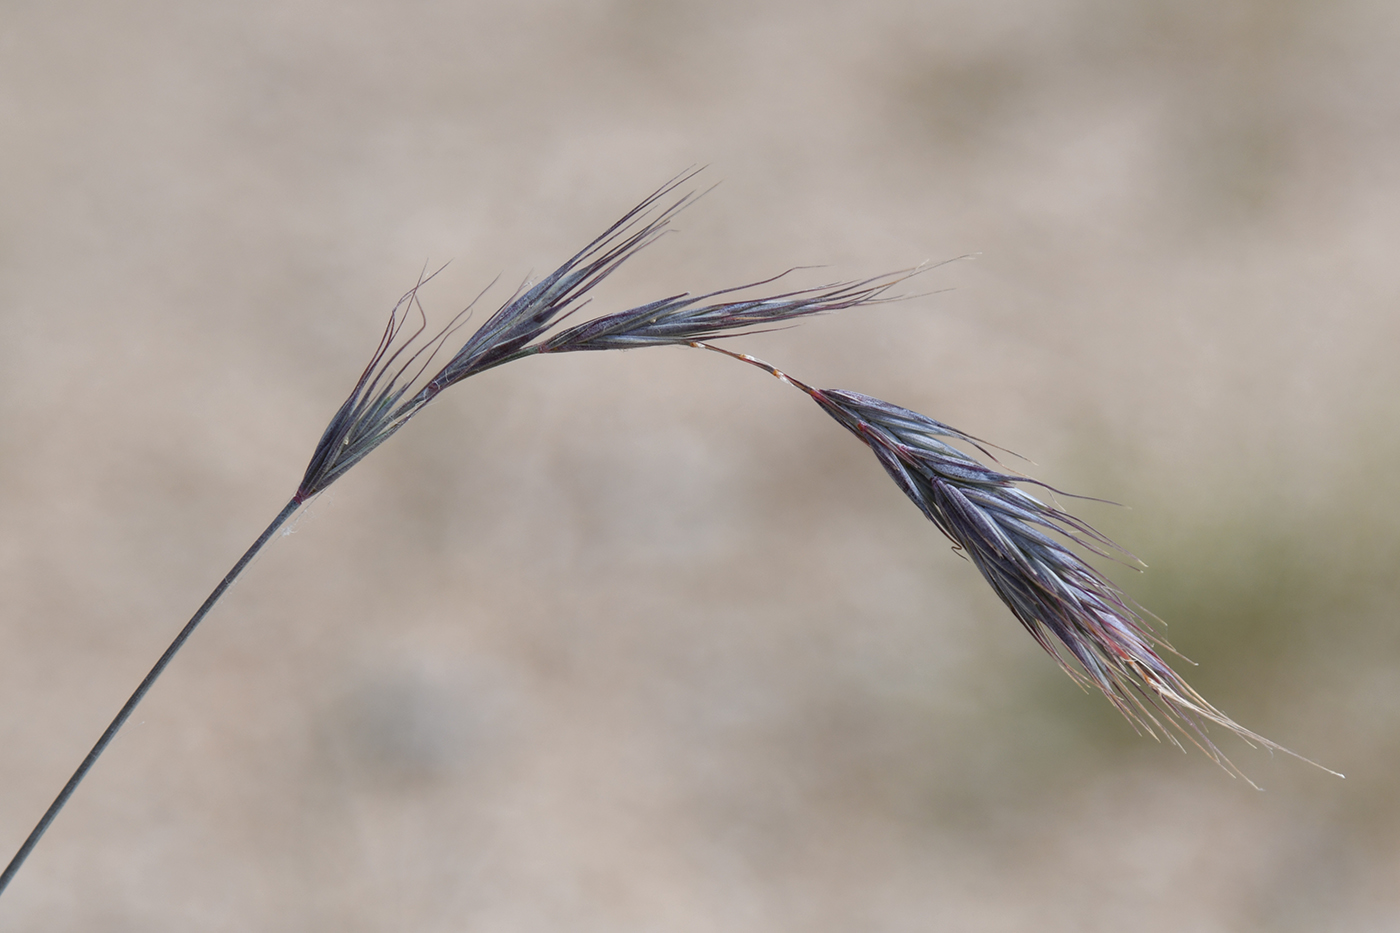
(1028, 551)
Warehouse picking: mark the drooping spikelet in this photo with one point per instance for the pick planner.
(1028, 551)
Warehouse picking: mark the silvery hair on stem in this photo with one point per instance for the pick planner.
(1028, 551)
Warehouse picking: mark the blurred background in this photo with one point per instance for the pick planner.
(643, 641)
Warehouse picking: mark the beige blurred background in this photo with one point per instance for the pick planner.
(643, 641)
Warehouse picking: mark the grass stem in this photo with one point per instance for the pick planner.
(125, 713)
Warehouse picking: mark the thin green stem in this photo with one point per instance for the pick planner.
(136, 697)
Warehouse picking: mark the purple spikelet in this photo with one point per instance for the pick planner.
(392, 388)
(1028, 552)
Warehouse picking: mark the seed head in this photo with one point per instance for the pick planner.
(1028, 552)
